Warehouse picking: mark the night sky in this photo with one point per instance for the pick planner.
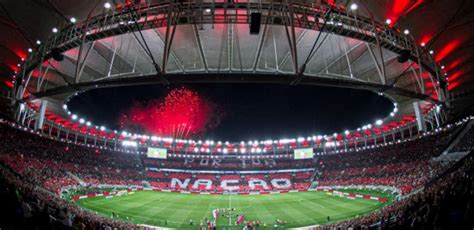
(251, 111)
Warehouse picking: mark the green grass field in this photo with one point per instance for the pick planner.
(297, 209)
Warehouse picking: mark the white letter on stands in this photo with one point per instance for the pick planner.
(224, 184)
(206, 182)
(281, 183)
(257, 182)
(181, 184)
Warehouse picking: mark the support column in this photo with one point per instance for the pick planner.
(40, 115)
(420, 119)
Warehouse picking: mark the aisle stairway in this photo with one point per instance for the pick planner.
(76, 178)
(457, 136)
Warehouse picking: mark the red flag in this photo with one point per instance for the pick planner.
(240, 219)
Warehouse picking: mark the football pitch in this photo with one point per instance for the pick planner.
(175, 210)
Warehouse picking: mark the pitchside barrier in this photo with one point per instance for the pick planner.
(329, 191)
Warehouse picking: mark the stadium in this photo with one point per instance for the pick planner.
(213, 114)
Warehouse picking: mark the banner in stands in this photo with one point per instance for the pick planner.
(305, 153)
(152, 169)
(156, 153)
(230, 185)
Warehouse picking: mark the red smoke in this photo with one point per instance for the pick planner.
(180, 114)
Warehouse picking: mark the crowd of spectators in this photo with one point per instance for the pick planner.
(227, 163)
(162, 180)
(466, 143)
(406, 165)
(50, 163)
(36, 208)
(30, 163)
(446, 203)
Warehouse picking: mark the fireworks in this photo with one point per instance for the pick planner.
(181, 114)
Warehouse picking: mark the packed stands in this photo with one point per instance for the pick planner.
(466, 143)
(404, 165)
(234, 182)
(445, 203)
(34, 162)
(48, 162)
(228, 163)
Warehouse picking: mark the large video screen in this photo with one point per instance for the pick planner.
(156, 153)
(305, 153)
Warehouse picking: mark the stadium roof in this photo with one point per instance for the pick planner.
(140, 47)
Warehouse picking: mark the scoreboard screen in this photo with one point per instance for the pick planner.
(305, 153)
(156, 153)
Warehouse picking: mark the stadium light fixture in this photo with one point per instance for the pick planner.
(64, 106)
(392, 114)
(354, 6)
(431, 52)
(30, 50)
(74, 116)
(73, 20)
(129, 143)
(102, 128)
(55, 30)
(81, 121)
(369, 126)
(38, 42)
(379, 122)
(423, 44)
(388, 21)
(346, 132)
(406, 32)
(107, 5)
(88, 123)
